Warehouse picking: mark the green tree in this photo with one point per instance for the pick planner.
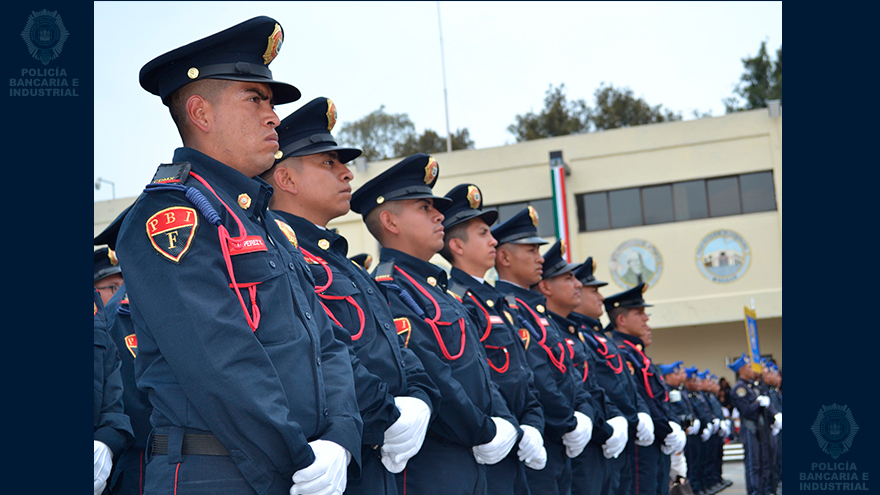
(377, 134)
(761, 81)
(431, 142)
(616, 108)
(559, 117)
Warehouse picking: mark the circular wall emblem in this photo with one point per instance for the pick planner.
(723, 256)
(635, 261)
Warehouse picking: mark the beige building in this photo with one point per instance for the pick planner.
(694, 208)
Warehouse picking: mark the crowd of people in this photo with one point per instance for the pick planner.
(239, 347)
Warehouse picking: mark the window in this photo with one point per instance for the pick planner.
(676, 202)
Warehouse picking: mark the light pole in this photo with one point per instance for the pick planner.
(105, 181)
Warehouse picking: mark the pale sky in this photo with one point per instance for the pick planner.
(500, 59)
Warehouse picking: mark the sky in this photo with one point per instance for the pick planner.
(498, 60)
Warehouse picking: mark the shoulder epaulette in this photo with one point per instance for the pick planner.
(384, 271)
(457, 289)
(511, 301)
(172, 173)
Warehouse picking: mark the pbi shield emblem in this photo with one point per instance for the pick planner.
(525, 337)
(172, 230)
(131, 342)
(274, 45)
(288, 232)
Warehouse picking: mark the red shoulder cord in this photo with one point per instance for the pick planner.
(225, 240)
(558, 362)
(486, 335)
(619, 368)
(433, 322)
(645, 364)
(319, 290)
(571, 353)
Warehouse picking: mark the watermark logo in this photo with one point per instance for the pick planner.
(44, 34)
(835, 429)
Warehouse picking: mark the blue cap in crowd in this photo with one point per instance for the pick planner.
(555, 262)
(631, 298)
(522, 228)
(669, 368)
(585, 274)
(307, 132)
(466, 203)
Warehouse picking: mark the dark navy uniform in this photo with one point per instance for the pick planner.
(510, 370)
(438, 329)
(504, 352)
(652, 389)
(128, 473)
(754, 432)
(383, 369)
(696, 448)
(111, 425)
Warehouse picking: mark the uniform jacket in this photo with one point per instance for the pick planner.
(112, 425)
(234, 344)
(504, 352)
(438, 329)
(558, 387)
(383, 369)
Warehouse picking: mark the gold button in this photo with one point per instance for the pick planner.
(192, 73)
(490, 303)
(540, 308)
(432, 281)
(324, 244)
(279, 154)
(380, 200)
(244, 201)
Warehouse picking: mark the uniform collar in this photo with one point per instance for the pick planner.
(625, 336)
(251, 195)
(316, 240)
(586, 321)
(414, 266)
(530, 297)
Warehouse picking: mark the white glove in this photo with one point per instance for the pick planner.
(644, 430)
(404, 438)
(579, 437)
(678, 466)
(103, 464)
(763, 400)
(615, 444)
(725, 428)
(774, 429)
(694, 428)
(674, 441)
(531, 449)
(716, 423)
(778, 419)
(327, 475)
(705, 434)
(499, 447)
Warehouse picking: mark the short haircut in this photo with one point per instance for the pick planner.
(457, 231)
(374, 224)
(208, 89)
(613, 312)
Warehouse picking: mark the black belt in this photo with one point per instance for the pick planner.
(193, 444)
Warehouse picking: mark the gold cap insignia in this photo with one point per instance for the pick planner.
(324, 244)
(192, 73)
(644, 288)
(244, 201)
(431, 170)
(562, 248)
(112, 255)
(475, 199)
(533, 213)
(274, 46)
(594, 265)
(331, 114)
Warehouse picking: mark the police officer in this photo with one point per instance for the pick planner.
(715, 443)
(108, 274)
(695, 450)
(562, 290)
(470, 248)
(251, 392)
(395, 395)
(757, 416)
(679, 404)
(568, 409)
(473, 426)
(127, 474)
(632, 334)
(112, 426)
(773, 378)
(613, 378)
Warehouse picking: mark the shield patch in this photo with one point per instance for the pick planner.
(172, 230)
(131, 342)
(525, 337)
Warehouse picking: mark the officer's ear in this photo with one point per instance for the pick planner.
(283, 179)
(502, 256)
(389, 221)
(199, 112)
(544, 288)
